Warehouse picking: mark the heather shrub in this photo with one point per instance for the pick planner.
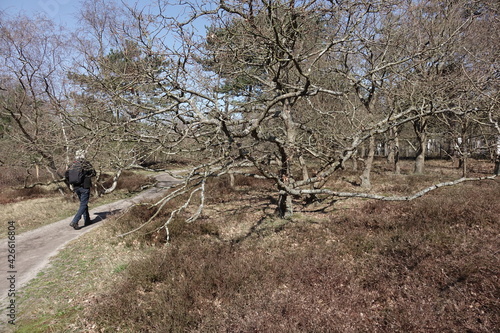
(129, 181)
(153, 233)
(9, 195)
(133, 182)
(219, 190)
(245, 181)
(136, 217)
(430, 265)
(13, 180)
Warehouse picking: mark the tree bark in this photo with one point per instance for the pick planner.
(393, 156)
(420, 130)
(391, 144)
(365, 176)
(115, 182)
(285, 205)
(305, 172)
(420, 159)
(463, 151)
(397, 165)
(231, 180)
(354, 160)
(497, 158)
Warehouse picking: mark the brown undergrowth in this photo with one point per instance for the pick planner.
(430, 265)
(14, 192)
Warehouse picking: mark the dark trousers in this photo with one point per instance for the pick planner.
(83, 210)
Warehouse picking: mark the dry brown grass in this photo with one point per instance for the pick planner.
(430, 265)
(34, 213)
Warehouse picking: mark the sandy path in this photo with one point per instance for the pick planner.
(33, 249)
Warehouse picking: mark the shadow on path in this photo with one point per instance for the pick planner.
(100, 216)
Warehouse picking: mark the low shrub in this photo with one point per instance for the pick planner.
(10, 195)
(427, 266)
(133, 182)
(220, 190)
(129, 181)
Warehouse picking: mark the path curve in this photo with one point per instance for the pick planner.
(33, 249)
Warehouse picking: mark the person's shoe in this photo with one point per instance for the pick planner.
(74, 225)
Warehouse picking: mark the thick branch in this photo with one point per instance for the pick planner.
(387, 198)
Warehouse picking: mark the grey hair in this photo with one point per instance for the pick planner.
(80, 154)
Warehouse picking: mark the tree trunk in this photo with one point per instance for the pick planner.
(463, 148)
(305, 176)
(397, 165)
(497, 158)
(285, 205)
(116, 177)
(365, 177)
(362, 153)
(284, 208)
(55, 176)
(420, 159)
(391, 144)
(393, 156)
(420, 130)
(464, 166)
(305, 172)
(462, 163)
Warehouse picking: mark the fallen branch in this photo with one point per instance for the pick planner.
(161, 203)
(184, 206)
(383, 197)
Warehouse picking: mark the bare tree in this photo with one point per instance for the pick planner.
(279, 85)
(32, 88)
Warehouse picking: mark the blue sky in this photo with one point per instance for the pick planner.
(63, 12)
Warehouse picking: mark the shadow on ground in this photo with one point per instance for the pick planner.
(101, 216)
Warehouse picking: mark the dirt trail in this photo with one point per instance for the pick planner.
(33, 249)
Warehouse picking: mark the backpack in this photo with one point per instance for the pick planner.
(76, 174)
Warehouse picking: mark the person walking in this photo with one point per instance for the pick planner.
(78, 176)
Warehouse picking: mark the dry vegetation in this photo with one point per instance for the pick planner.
(430, 265)
(425, 266)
